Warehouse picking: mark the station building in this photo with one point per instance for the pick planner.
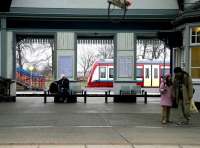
(176, 22)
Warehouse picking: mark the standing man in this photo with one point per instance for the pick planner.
(183, 93)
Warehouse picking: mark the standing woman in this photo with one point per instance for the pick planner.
(166, 98)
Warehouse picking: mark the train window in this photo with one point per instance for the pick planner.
(155, 73)
(164, 71)
(146, 72)
(102, 72)
(111, 72)
(138, 72)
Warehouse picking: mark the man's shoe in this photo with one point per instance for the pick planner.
(185, 122)
(164, 122)
(182, 123)
(168, 121)
(178, 124)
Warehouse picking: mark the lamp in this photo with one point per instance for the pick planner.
(31, 69)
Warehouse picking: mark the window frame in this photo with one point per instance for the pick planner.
(196, 35)
(102, 78)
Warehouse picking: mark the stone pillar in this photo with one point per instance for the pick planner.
(0, 54)
(6, 52)
(3, 51)
(125, 57)
(185, 56)
(124, 63)
(7, 56)
(66, 55)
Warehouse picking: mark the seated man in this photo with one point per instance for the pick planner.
(63, 87)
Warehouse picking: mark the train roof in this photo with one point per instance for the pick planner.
(104, 61)
(140, 61)
(155, 61)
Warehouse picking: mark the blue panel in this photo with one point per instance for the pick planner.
(65, 66)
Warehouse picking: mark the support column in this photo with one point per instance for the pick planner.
(66, 55)
(66, 59)
(6, 52)
(3, 51)
(10, 56)
(124, 64)
(125, 57)
(7, 56)
(0, 53)
(186, 46)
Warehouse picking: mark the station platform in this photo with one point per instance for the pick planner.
(29, 123)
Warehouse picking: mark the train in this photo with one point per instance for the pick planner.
(148, 73)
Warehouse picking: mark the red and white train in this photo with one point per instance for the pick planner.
(148, 73)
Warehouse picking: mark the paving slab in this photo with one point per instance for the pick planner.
(109, 146)
(191, 146)
(61, 146)
(34, 124)
(18, 146)
(156, 146)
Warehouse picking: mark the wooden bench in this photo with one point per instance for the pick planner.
(76, 91)
(106, 95)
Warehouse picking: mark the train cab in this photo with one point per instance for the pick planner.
(101, 74)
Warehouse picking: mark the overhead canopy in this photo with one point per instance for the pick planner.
(190, 14)
(89, 14)
(181, 4)
(5, 5)
(140, 9)
(172, 39)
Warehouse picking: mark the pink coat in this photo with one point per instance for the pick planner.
(166, 95)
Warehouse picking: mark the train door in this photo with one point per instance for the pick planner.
(139, 75)
(155, 76)
(147, 75)
(110, 73)
(110, 76)
(102, 75)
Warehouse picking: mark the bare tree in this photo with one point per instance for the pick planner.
(33, 53)
(157, 50)
(152, 49)
(86, 62)
(106, 51)
(21, 48)
(144, 51)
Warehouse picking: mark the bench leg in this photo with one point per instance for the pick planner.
(45, 97)
(145, 97)
(85, 97)
(106, 97)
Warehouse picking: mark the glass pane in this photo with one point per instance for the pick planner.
(111, 72)
(147, 73)
(155, 73)
(195, 72)
(195, 61)
(102, 72)
(198, 39)
(164, 71)
(193, 32)
(139, 72)
(198, 33)
(193, 39)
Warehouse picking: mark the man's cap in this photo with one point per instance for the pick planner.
(177, 69)
(62, 75)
